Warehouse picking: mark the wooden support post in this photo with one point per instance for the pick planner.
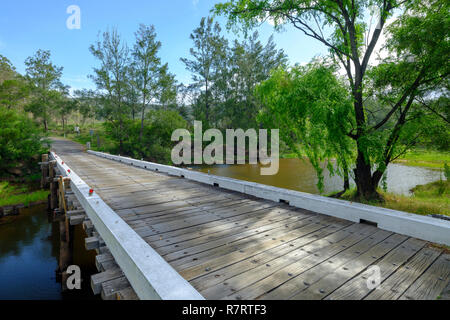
(65, 256)
(53, 185)
(44, 170)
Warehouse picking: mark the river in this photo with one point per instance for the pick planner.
(29, 252)
(297, 174)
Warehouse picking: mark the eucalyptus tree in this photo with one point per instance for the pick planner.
(418, 44)
(146, 68)
(207, 65)
(13, 92)
(86, 104)
(7, 70)
(112, 80)
(167, 93)
(43, 76)
(250, 63)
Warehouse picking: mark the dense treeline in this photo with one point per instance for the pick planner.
(338, 109)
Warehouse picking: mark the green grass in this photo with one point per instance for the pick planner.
(425, 158)
(14, 194)
(432, 198)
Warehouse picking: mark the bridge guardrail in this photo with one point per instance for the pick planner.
(148, 273)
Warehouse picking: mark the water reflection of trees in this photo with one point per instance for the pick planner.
(30, 224)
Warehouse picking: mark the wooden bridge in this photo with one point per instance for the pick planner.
(182, 239)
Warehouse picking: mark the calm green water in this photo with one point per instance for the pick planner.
(296, 174)
(29, 249)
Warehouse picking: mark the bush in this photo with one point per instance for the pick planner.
(21, 143)
(156, 144)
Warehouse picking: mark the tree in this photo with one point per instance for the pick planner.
(352, 43)
(207, 65)
(7, 70)
(146, 68)
(43, 76)
(308, 125)
(20, 142)
(111, 79)
(63, 105)
(86, 103)
(167, 92)
(13, 92)
(250, 63)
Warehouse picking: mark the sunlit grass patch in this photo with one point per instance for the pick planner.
(425, 158)
(11, 194)
(432, 198)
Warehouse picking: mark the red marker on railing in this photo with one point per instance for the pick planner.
(68, 170)
(62, 162)
(91, 191)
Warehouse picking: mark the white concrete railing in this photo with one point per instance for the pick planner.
(148, 273)
(422, 227)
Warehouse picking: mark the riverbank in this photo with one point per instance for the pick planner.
(26, 193)
(428, 199)
(425, 158)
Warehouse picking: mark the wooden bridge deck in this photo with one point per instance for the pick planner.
(231, 246)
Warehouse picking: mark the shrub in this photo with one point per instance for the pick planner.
(21, 143)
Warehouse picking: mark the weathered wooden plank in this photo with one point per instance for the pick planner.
(110, 288)
(306, 279)
(99, 278)
(314, 239)
(77, 219)
(251, 248)
(347, 271)
(126, 294)
(357, 288)
(397, 283)
(264, 278)
(430, 284)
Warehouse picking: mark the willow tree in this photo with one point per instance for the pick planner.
(310, 126)
(344, 27)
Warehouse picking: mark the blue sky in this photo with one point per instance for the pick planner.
(26, 26)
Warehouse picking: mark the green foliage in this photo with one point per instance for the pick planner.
(387, 119)
(156, 141)
(13, 92)
(447, 171)
(208, 69)
(44, 79)
(12, 194)
(20, 143)
(313, 110)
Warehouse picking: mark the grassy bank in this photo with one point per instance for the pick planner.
(25, 193)
(432, 198)
(425, 158)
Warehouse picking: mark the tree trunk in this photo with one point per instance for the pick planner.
(120, 136)
(365, 187)
(142, 121)
(346, 178)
